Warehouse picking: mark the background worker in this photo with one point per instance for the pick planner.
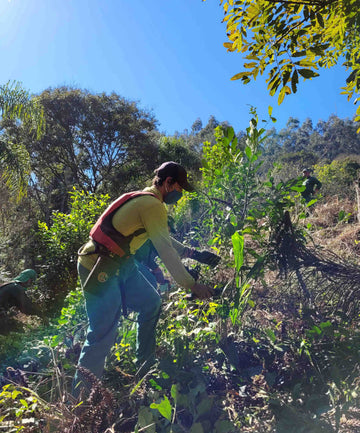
(312, 185)
(107, 290)
(146, 262)
(147, 265)
(13, 293)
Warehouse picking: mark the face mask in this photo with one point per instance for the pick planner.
(172, 197)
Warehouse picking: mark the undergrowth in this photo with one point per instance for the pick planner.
(263, 357)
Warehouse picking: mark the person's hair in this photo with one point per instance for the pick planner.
(158, 180)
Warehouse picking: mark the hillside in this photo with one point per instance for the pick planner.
(276, 352)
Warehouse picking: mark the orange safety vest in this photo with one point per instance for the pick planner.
(104, 232)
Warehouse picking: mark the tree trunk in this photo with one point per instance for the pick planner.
(357, 191)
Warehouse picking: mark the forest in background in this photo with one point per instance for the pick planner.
(104, 144)
(277, 352)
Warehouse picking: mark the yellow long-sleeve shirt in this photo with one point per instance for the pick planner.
(149, 213)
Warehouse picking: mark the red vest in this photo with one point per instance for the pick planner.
(104, 232)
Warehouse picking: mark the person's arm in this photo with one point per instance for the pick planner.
(154, 219)
(318, 185)
(203, 256)
(179, 247)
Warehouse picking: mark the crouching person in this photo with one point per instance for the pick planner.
(13, 293)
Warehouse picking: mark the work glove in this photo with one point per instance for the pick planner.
(160, 279)
(201, 291)
(205, 257)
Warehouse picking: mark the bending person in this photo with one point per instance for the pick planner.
(13, 293)
(110, 277)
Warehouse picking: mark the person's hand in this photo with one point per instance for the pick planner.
(201, 291)
(160, 279)
(205, 257)
(164, 287)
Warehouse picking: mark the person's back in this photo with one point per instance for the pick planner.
(13, 293)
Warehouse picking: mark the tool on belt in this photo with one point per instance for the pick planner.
(111, 246)
(105, 267)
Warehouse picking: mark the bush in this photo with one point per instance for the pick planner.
(338, 176)
(59, 243)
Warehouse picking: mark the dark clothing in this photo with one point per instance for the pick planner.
(147, 255)
(13, 294)
(310, 184)
(145, 258)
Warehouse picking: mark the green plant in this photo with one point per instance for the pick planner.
(292, 40)
(18, 403)
(60, 241)
(338, 177)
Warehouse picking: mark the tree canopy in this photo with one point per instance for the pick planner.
(17, 105)
(89, 142)
(294, 39)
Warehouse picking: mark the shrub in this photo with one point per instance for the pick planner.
(59, 243)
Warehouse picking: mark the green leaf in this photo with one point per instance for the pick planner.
(281, 96)
(299, 54)
(298, 188)
(174, 393)
(204, 406)
(287, 90)
(311, 202)
(240, 75)
(250, 65)
(238, 246)
(251, 303)
(197, 428)
(15, 393)
(294, 81)
(164, 407)
(155, 385)
(308, 73)
(286, 76)
(320, 20)
(146, 420)
(248, 152)
(24, 403)
(270, 333)
(326, 324)
(223, 426)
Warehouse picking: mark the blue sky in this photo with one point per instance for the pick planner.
(166, 54)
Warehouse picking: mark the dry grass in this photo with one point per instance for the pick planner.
(327, 214)
(339, 235)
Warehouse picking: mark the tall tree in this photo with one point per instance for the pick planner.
(294, 39)
(89, 142)
(17, 105)
(335, 137)
(177, 149)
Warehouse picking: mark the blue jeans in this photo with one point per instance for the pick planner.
(104, 311)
